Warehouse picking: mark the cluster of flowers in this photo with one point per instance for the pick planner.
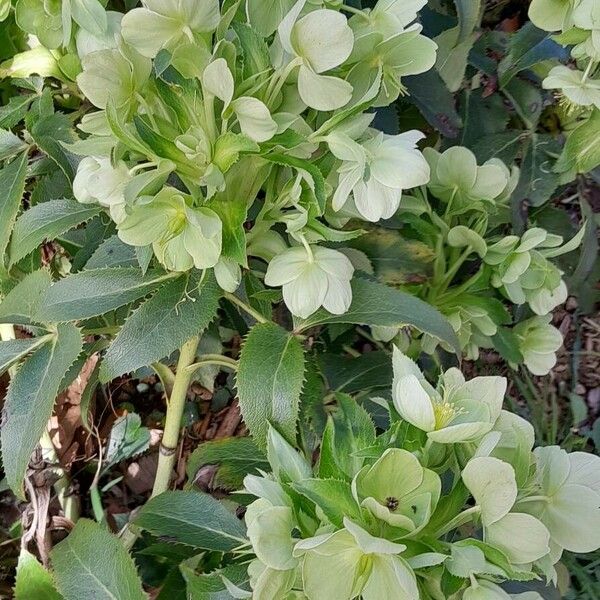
(466, 210)
(579, 24)
(383, 525)
(207, 122)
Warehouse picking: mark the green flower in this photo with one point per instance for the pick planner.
(398, 490)
(567, 497)
(538, 343)
(458, 411)
(351, 562)
(376, 171)
(312, 277)
(520, 536)
(574, 85)
(457, 179)
(182, 236)
(42, 18)
(551, 15)
(98, 181)
(115, 74)
(167, 23)
(318, 42)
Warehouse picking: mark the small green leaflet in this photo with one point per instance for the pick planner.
(95, 292)
(33, 581)
(30, 399)
(12, 184)
(93, 563)
(374, 303)
(269, 381)
(20, 305)
(10, 144)
(192, 518)
(183, 307)
(47, 221)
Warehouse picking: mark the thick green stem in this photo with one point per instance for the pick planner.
(176, 405)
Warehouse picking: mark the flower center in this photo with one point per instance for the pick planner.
(392, 503)
(177, 224)
(445, 412)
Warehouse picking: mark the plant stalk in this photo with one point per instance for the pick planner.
(175, 407)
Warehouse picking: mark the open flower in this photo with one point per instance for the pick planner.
(538, 343)
(97, 181)
(376, 171)
(319, 42)
(351, 562)
(520, 536)
(182, 236)
(457, 179)
(551, 15)
(312, 277)
(164, 24)
(575, 85)
(398, 490)
(458, 411)
(567, 497)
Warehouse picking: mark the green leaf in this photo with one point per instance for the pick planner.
(47, 221)
(211, 586)
(374, 303)
(112, 252)
(183, 307)
(192, 518)
(231, 458)
(256, 52)
(332, 496)
(92, 293)
(504, 145)
(20, 306)
(30, 399)
(12, 184)
(90, 15)
(33, 581)
(48, 132)
(14, 110)
(269, 381)
(127, 438)
(93, 563)
(507, 345)
(367, 371)
(12, 351)
(468, 16)
(10, 144)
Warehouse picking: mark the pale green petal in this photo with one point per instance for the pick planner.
(549, 15)
(148, 31)
(539, 363)
(573, 518)
(305, 294)
(493, 485)
(402, 366)
(396, 166)
(172, 254)
(370, 544)
(490, 182)
(218, 80)
(485, 590)
(200, 16)
(553, 467)
(457, 166)
(268, 584)
(347, 181)
(414, 403)
(286, 266)
(322, 92)
(228, 274)
(391, 579)
(488, 390)
(287, 24)
(338, 297)
(254, 118)
(522, 538)
(462, 432)
(323, 38)
(461, 236)
(585, 470)
(145, 225)
(270, 534)
(385, 514)
(333, 262)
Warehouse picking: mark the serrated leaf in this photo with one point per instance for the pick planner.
(332, 496)
(127, 438)
(95, 292)
(112, 252)
(20, 305)
(506, 344)
(269, 381)
(30, 399)
(12, 184)
(93, 563)
(48, 131)
(47, 221)
(180, 309)
(211, 586)
(14, 110)
(11, 351)
(10, 144)
(33, 581)
(374, 303)
(368, 371)
(192, 518)
(233, 458)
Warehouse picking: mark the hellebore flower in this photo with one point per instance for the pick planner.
(376, 171)
(312, 277)
(574, 85)
(351, 562)
(538, 343)
(182, 236)
(398, 490)
(458, 411)
(567, 498)
(318, 42)
(98, 181)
